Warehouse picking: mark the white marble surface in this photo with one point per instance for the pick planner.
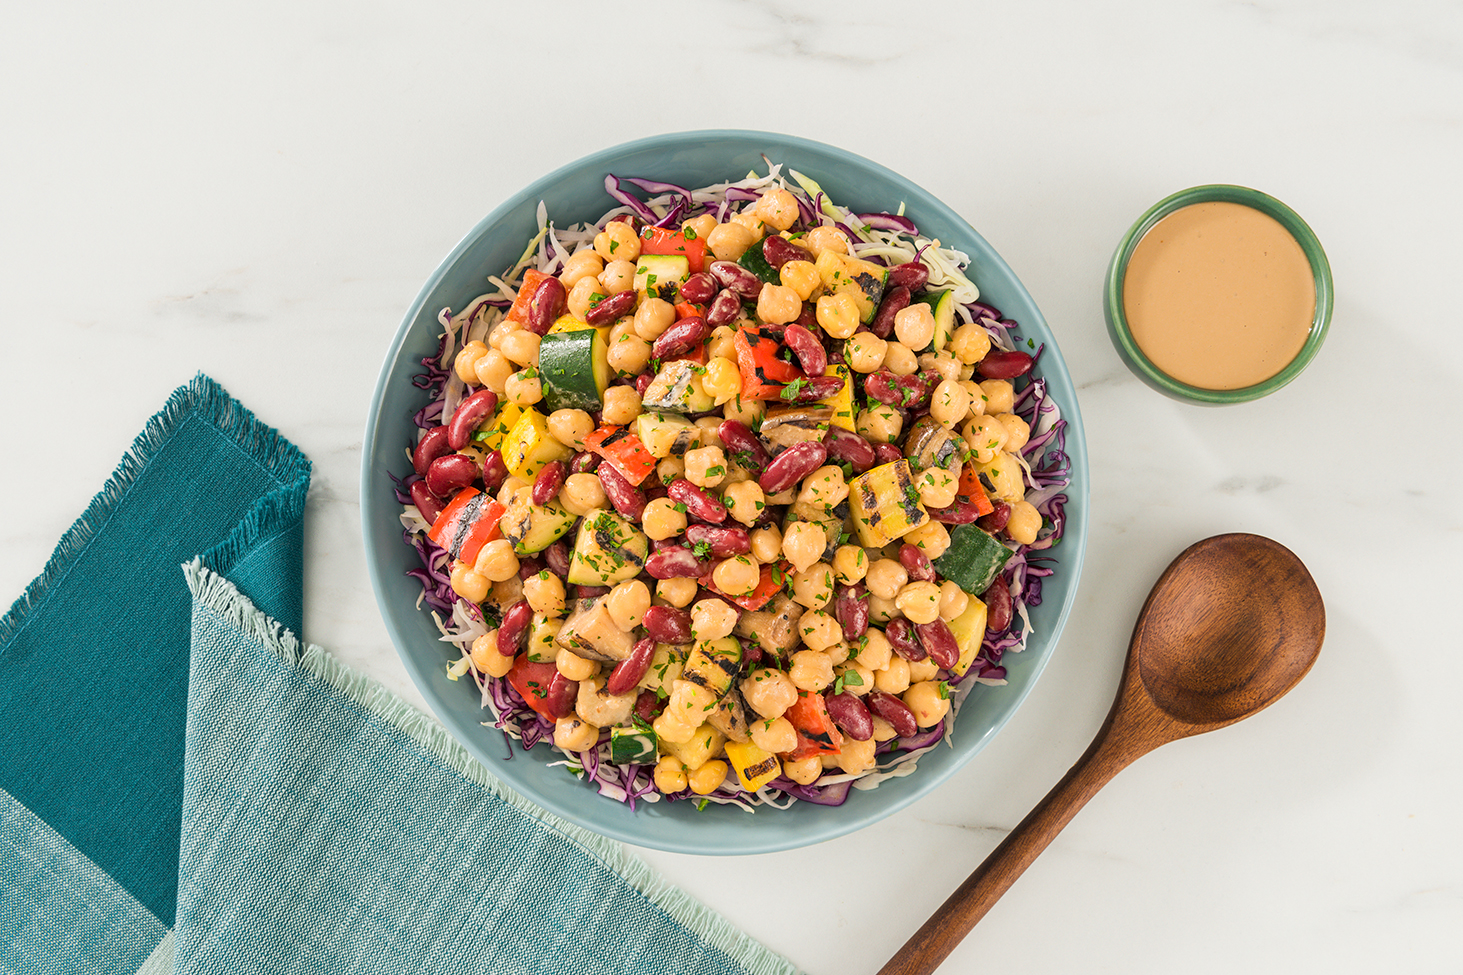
(258, 190)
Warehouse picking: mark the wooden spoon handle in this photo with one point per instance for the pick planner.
(923, 953)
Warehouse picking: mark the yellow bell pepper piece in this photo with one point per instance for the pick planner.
(969, 630)
(754, 767)
(527, 447)
(841, 402)
(496, 429)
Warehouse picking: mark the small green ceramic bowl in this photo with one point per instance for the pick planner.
(1117, 322)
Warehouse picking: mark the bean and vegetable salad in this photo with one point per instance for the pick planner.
(733, 495)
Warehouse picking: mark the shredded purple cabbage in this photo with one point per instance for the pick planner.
(821, 795)
(888, 221)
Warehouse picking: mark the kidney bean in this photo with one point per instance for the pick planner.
(584, 462)
(900, 632)
(699, 288)
(845, 445)
(851, 607)
(514, 628)
(894, 711)
(724, 542)
(680, 338)
(676, 562)
(792, 465)
(850, 714)
(997, 599)
(530, 566)
(435, 444)
(562, 695)
(737, 438)
(895, 301)
(887, 453)
(810, 389)
(959, 513)
(913, 276)
(938, 642)
(811, 355)
(612, 309)
(546, 485)
(556, 558)
(495, 472)
(545, 305)
(698, 503)
(751, 654)
(668, 624)
(590, 592)
(724, 308)
(628, 672)
(450, 473)
(995, 522)
(737, 278)
(470, 412)
(906, 392)
(916, 563)
(879, 385)
(642, 382)
(628, 499)
(1004, 365)
(779, 250)
(427, 503)
(648, 706)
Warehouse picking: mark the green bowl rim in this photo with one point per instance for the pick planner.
(1224, 193)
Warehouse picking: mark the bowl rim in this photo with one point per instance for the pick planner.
(373, 483)
(1117, 320)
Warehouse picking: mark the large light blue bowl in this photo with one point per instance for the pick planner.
(574, 193)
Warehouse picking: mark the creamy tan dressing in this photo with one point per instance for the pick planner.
(1219, 295)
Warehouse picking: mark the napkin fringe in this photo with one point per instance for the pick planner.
(219, 594)
(201, 396)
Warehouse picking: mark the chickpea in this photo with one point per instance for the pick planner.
(931, 538)
(574, 735)
(804, 771)
(986, 436)
(875, 651)
(970, 343)
(737, 576)
(774, 735)
(496, 561)
(545, 593)
(469, 583)
(950, 403)
(838, 315)
(975, 393)
(465, 363)
(729, 241)
(699, 226)
(712, 619)
(706, 779)
(838, 653)
(618, 241)
(582, 295)
(930, 702)
(865, 352)
(753, 225)
(722, 380)
(925, 669)
(722, 344)
(915, 325)
(819, 630)
(1024, 523)
(881, 610)
(485, 656)
(803, 544)
(500, 332)
(821, 239)
(570, 427)
(777, 305)
(617, 276)
(857, 757)
(744, 501)
(585, 264)
(769, 692)
(662, 520)
(573, 666)
(937, 488)
(813, 587)
(670, 775)
(811, 670)
(900, 360)
(849, 564)
(919, 602)
(1006, 477)
(621, 405)
(825, 487)
(880, 423)
(858, 679)
(582, 493)
(676, 592)
(894, 678)
(999, 396)
(653, 317)
(670, 468)
(777, 208)
(521, 347)
(953, 600)
(690, 702)
(629, 354)
(510, 490)
(885, 578)
(943, 363)
(767, 544)
(705, 466)
(745, 411)
(627, 603)
(802, 277)
(493, 370)
(523, 388)
(1018, 431)
(670, 728)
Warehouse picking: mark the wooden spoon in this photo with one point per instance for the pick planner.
(1232, 624)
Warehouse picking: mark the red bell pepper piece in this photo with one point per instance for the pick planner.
(763, 374)
(531, 280)
(817, 734)
(469, 522)
(623, 449)
(687, 309)
(532, 681)
(663, 240)
(970, 489)
(757, 598)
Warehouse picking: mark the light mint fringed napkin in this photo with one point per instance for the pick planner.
(185, 787)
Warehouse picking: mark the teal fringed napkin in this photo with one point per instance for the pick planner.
(185, 787)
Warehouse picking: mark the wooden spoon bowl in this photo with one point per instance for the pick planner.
(1232, 624)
